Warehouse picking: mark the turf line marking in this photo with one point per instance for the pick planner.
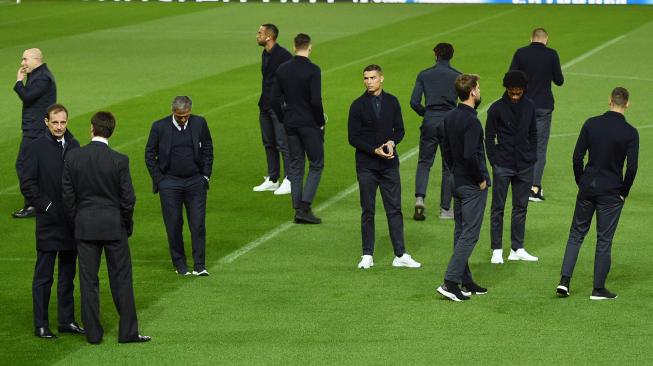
(621, 77)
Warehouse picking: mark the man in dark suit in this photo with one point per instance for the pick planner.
(464, 152)
(179, 157)
(37, 93)
(272, 131)
(99, 198)
(375, 128)
(542, 66)
(602, 188)
(41, 184)
(437, 85)
(511, 143)
(299, 87)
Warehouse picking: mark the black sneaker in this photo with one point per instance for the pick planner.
(536, 197)
(452, 292)
(563, 287)
(419, 213)
(472, 288)
(305, 216)
(602, 294)
(25, 212)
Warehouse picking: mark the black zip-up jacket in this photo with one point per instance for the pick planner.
(437, 85)
(610, 140)
(463, 146)
(542, 66)
(270, 62)
(41, 184)
(366, 132)
(298, 87)
(37, 94)
(511, 133)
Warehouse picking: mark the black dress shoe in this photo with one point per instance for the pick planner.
(305, 216)
(71, 328)
(138, 339)
(24, 212)
(44, 332)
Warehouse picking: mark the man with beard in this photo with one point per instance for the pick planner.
(272, 131)
(375, 128)
(41, 184)
(511, 143)
(464, 153)
(37, 93)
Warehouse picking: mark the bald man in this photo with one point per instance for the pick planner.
(37, 90)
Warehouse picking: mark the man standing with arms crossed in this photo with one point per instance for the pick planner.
(99, 198)
(542, 66)
(375, 128)
(602, 188)
(299, 86)
(511, 142)
(41, 184)
(272, 131)
(464, 152)
(437, 85)
(37, 93)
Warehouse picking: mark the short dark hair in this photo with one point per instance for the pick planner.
(272, 29)
(619, 96)
(515, 79)
(443, 51)
(373, 67)
(465, 83)
(55, 108)
(103, 124)
(539, 33)
(302, 40)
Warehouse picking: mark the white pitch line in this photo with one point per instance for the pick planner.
(603, 76)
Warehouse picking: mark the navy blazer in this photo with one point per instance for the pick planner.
(270, 62)
(159, 144)
(366, 132)
(37, 94)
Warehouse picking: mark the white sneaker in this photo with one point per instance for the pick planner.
(405, 261)
(521, 255)
(366, 262)
(497, 256)
(201, 273)
(267, 185)
(284, 188)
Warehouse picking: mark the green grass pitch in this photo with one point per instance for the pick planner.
(297, 297)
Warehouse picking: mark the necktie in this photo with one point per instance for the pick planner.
(61, 147)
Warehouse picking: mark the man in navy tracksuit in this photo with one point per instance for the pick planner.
(511, 143)
(602, 188)
(464, 152)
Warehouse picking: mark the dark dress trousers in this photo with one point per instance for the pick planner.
(464, 152)
(436, 84)
(99, 198)
(37, 94)
(297, 96)
(272, 131)
(610, 141)
(370, 128)
(180, 164)
(41, 184)
(542, 66)
(511, 145)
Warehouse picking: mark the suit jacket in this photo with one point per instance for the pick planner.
(610, 141)
(98, 194)
(37, 94)
(40, 183)
(542, 66)
(367, 132)
(270, 62)
(511, 133)
(159, 145)
(297, 93)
